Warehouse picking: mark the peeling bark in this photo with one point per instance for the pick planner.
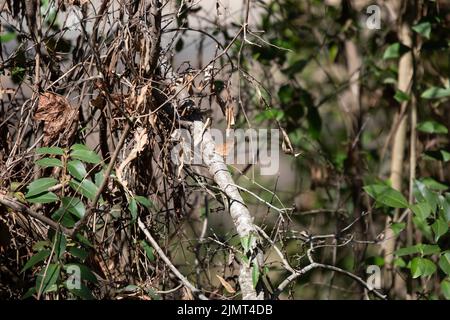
(240, 214)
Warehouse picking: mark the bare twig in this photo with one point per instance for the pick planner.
(168, 262)
(16, 205)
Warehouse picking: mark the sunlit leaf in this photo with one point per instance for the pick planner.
(132, 206)
(86, 156)
(444, 263)
(255, 274)
(49, 162)
(436, 93)
(77, 169)
(35, 259)
(394, 51)
(74, 205)
(422, 267)
(422, 210)
(386, 195)
(440, 227)
(63, 217)
(86, 187)
(39, 186)
(47, 277)
(432, 127)
(50, 150)
(423, 28)
(445, 288)
(144, 201)
(46, 197)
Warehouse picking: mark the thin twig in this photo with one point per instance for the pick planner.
(168, 262)
(15, 205)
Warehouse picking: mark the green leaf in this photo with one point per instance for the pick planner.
(422, 210)
(99, 177)
(269, 114)
(398, 227)
(422, 267)
(29, 293)
(18, 74)
(444, 206)
(50, 150)
(246, 243)
(49, 162)
(434, 185)
(41, 245)
(386, 195)
(423, 249)
(59, 243)
(423, 226)
(77, 169)
(401, 96)
(423, 28)
(7, 37)
(400, 263)
(39, 186)
(407, 251)
(423, 194)
(86, 156)
(144, 201)
(314, 122)
(85, 272)
(83, 293)
(130, 288)
(255, 274)
(440, 227)
(78, 146)
(416, 271)
(296, 67)
(74, 205)
(394, 51)
(444, 263)
(86, 187)
(445, 288)
(47, 277)
(78, 253)
(428, 249)
(148, 250)
(436, 93)
(445, 155)
(84, 241)
(286, 93)
(63, 217)
(333, 52)
(46, 197)
(132, 206)
(153, 294)
(38, 257)
(432, 127)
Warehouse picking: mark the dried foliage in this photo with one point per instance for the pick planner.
(59, 117)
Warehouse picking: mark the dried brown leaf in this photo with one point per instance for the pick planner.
(226, 285)
(58, 115)
(142, 96)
